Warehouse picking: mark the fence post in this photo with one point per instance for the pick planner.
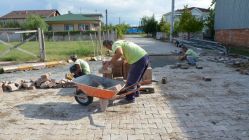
(8, 38)
(108, 34)
(100, 44)
(96, 43)
(69, 36)
(42, 45)
(53, 35)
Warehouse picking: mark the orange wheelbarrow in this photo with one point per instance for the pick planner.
(90, 86)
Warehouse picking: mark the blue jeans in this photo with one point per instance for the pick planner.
(191, 60)
(135, 75)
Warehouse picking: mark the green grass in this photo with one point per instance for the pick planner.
(240, 51)
(60, 50)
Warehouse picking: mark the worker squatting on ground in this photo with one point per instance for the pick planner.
(189, 55)
(134, 55)
(80, 67)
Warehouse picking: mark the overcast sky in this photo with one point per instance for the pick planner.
(129, 11)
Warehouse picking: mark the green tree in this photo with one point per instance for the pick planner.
(188, 23)
(35, 21)
(121, 29)
(209, 23)
(109, 27)
(149, 25)
(164, 26)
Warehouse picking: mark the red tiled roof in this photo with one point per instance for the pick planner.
(191, 8)
(24, 13)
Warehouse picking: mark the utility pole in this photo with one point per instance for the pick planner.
(106, 19)
(119, 20)
(172, 20)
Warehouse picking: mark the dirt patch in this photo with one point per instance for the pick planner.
(31, 97)
(4, 114)
(13, 121)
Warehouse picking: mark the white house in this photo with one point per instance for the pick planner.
(199, 13)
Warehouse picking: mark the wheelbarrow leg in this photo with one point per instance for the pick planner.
(103, 104)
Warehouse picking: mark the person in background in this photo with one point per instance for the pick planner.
(189, 55)
(80, 67)
(134, 55)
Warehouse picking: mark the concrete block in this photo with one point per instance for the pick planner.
(147, 77)
(27, 85)
(52, 84)
(45, 85)
(117, 68)
(45, 77)
(12, 87)
(4, 86)
(38, 82)
(31, 87)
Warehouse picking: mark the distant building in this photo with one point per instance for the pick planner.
(232, 22)
(20, 16)
(75, 22)
(199, 13)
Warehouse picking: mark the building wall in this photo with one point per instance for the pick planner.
(232, 22)
(195, 12)
(232, 14)
(233, 37)
(61, 26)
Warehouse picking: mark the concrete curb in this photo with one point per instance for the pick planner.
(31, 66)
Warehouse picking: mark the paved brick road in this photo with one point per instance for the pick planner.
(185, 108)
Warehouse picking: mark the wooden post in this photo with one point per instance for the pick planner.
(92, 45)
(53, 36)
(96, 43)
(41, 44)
(108, 34)
(69, 36)
(99, 38)
(81, 38)
(8, 38)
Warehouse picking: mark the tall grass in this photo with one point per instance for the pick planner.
(59, 50)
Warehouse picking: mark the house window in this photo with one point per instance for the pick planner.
(68, 27)
(50, 28)
(84, 27)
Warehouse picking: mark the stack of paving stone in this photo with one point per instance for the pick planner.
(44, 82)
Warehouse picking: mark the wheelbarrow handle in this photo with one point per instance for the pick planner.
(125, 94)
(125, 88)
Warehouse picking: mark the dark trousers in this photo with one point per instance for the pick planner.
(135, 75)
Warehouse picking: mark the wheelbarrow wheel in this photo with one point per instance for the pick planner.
(83, 99)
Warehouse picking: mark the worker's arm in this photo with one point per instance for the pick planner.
(183, 57)
(118, 54)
